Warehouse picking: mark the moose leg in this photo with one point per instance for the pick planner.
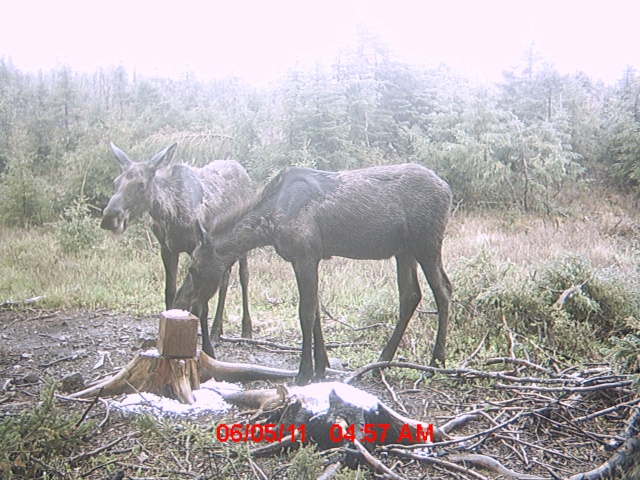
(442, 291)
(307, 278)
(170, 261)
(409, 292)
(203, 315)
(247, 329)
(320, 356)
(216, 328)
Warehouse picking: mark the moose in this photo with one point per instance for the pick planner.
(178, 198)
(309, 215)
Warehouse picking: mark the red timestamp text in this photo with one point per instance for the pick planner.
(260, 432)
(366, 433)
(380, 433)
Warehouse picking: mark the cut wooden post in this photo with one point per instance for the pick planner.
(178, 334)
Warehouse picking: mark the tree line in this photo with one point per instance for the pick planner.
(519, 143)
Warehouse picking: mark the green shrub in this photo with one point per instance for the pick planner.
(565, 294)
(77, 229)
(383, 308)
(606, 299)
(40, 436)
(625, 350)
(306, 464)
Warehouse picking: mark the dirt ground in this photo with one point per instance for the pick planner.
(39, 343)
(78, 347)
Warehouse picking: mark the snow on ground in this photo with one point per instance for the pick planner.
(208, 399)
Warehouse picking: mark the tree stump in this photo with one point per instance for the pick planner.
(176, 367)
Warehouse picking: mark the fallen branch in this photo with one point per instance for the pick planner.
(438, 461)
(518, 362)
(625, 461)
(476, 351)
(28, 301)
(274, 447)
(568, 293)
(491, 464)
(567, 390)
(331, 471)
(468, 373)
(73, 356)
(85, 455)
(376, 464)
(262, 343)
(287, 348)
(606, 411)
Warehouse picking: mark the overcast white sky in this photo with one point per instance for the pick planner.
(260, 39)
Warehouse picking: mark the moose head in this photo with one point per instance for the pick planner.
(134, 189)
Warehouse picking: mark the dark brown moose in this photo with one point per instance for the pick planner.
(310, 215)
(178, 197)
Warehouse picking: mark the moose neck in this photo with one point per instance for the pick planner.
(161, 201)
(249, 226)
(170, 206)
(251, 231)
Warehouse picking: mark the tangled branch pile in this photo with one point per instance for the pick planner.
(524, 421)
(547, 422)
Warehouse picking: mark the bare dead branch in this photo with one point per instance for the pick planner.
(376, 464)
(331, 471)
(606, 411)
(438, 461)
(518, 362)
(85, 455)
(471, 373)
(627, 459)
(476, 351)
(568, 293)
(567, 389)
(393, 394)
(491, 464)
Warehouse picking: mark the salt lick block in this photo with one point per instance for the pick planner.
(178, 334)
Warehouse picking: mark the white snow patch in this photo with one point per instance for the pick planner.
(176, 313)
(207, 399)
(152, 352)
(316, 396)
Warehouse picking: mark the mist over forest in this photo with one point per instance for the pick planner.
(520, 144)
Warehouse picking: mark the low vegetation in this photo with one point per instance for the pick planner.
(538, 276)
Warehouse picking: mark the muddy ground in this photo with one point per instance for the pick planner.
(40, 343)
(77, 347)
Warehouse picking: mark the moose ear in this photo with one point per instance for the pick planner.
(122, 158)
(163, 156)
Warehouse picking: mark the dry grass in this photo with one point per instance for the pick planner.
(605, 239)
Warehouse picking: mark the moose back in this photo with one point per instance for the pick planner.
(310, 215)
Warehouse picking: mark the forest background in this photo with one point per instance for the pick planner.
(521, 144)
